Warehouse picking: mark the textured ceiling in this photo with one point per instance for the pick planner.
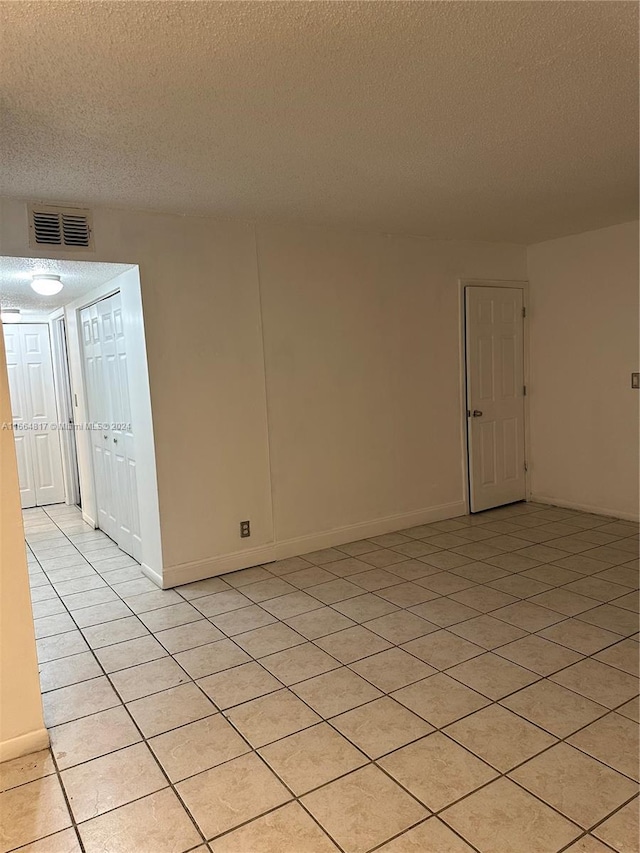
(78, 278)
(488, 120)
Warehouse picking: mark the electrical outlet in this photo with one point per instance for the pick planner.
(635, 380)
(245, 529)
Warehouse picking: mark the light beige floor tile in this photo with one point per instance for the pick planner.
(62, 842)
(31, 811)
(413, 570)
(487, 632)
(431, 836)
(443, 649)
(319, 623)
(291, 564)
(221, 602)
(383, 558)
(453, 771)
(311, 576)
(407, 594)
(612, 618)
(631, 710)
(61, 646)
(599, 682)
(580, 636)
(240, 684)
(148, 678)
(312, 757)
(542, 553)
(271, 717)
(621, 829)
(484, 598)
(519, 585)
(623, 655)
(87, 598)
(50, 607)
(400, 626)
(363, 809)
(352, 566)
(266, 589)
(99, 636)
(499, 737)
(365, 607)
(597, 588)
(352, 644)
(170, 617)
(230, 794)
(502, 818)
(551, 574)
(527, 615)
(381, 726)
(243, 620)
(323, 556)
(416, 548)
(374, 579)
(68, 670)
(111, 781)
(614, 741)
(91, 737)
(492, 675)
(440, 699)
(621, 575)
(25, 769)
(189, 636)
(134, 587)
(447, 560)
(99, 613)
(268, 640)
(170, 708)
(214, 657)
(576, 785)
(537, 654)
(157, 823)
(481, 573)
(198, 746)
(336, 691)
(244, 577)
(198, 589)
(130, 653)
(148, 601)
(291, 604)
(336, 590)
(299, 663)
(628, 602)
(288, 827)
(554, 708)
(355, 549)
(78, 700)
(588, 844)
(513, 562)
(392, 669)
(47, 626)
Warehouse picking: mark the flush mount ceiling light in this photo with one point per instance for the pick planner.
(46, 285)
(10, 315)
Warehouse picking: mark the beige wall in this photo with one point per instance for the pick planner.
(21, 725)
(302, 378)
(584, 346)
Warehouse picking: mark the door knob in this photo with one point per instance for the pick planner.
(477, 413)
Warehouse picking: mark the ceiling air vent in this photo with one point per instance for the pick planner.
(66, 227)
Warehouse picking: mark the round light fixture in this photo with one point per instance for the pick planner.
(46, 285)
(10, 315)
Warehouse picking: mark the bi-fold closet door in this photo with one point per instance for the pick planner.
(35, 417)
(111, 433)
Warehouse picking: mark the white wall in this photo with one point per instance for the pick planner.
(302, 378)
(584, 346)
(21, 724)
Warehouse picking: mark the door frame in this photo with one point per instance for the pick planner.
(464, 423)
(64, 401)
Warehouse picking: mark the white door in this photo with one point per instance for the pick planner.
(495, 395)
(105, 360)
(35, 417)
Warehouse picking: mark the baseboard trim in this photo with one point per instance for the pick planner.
(24, 744)
(150, 573)
(201, 569)
(90, 521)
(594, 510)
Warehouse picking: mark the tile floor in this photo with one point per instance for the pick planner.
(465, 685)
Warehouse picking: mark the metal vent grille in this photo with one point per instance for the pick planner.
(66, 227)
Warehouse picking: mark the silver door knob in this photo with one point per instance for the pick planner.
(477, 413)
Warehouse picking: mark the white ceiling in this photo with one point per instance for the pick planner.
(484, 120)
(78, 278)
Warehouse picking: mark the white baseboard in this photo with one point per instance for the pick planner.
(200, 569)
(24, 745)
(90, 521)
(595, 510)
(150, 573)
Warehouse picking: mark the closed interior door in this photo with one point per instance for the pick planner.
(495, 395)
(112, 439)
(35, 417)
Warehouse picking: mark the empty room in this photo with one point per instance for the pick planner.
(319, 442)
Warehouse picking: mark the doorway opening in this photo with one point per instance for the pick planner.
(80, 397)
(495, 392)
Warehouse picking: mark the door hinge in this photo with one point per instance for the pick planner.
(526, 465)
(524, 312)
(524, 390)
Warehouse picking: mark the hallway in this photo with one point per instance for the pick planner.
(468, 685)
